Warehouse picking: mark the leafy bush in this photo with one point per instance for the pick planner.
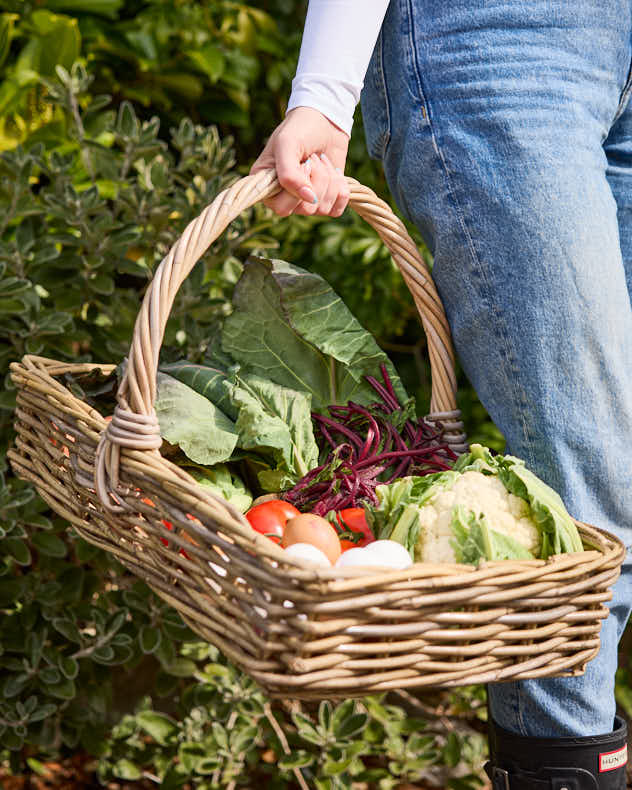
(86, 216)
(227, 733)
(221, 62)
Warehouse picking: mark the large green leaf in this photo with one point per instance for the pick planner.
(56, 41)
(272, 421)
(276, 419)
(289, 326)
(203, 432)
(208, 380)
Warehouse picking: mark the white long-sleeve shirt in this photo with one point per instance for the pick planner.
(338, 40)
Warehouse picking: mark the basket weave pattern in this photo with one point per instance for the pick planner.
(299, 631)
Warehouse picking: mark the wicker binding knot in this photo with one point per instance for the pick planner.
(125, 429)
(451, 424)
(300, 631)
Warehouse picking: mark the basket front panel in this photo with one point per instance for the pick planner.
(301, 632)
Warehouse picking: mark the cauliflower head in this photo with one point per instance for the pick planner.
(479, 493)
(487, 507)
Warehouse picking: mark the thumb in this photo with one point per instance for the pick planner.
(294, 176)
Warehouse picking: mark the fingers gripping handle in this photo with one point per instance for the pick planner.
(134, 424)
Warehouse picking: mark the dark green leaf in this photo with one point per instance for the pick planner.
(67, 628)
(103, 654)
(18, 549)
(49, 675)
(14, 685)
(149, 639)
(42, 712)
(48, 544)
(69, 667)
(64, 690)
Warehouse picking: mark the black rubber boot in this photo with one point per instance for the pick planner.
(590, 763)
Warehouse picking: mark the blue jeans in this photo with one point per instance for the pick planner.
(506, 138)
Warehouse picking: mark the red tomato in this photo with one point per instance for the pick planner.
(353, 527)
(345, 545)
(269, 518)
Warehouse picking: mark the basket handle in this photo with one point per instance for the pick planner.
(134, 424)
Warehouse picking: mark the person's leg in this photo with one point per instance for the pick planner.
(490, 120)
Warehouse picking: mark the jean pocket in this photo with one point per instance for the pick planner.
(376, 115)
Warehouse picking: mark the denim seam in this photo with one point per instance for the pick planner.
(625, 97)
(501, 334)
(386, 134)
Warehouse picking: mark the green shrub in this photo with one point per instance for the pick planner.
(217, 61)
(86, 214)
(227, 734)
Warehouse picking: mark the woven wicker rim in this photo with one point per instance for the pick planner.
(134, 424)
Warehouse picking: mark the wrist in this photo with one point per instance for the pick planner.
(315, 114)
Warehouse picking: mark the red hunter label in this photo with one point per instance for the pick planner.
(609, 761)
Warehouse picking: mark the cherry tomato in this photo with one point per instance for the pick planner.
(269, 518)
(352, 527)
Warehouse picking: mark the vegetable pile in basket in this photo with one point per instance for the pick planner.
(297, 404)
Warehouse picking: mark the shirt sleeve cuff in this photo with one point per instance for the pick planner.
(336, 100)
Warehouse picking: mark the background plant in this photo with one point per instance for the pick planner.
(104, 164)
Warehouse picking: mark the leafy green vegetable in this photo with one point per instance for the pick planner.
(272, 421)
(223, 483)
(392, 516)
(289, 326)
(207, 380)
(203, 432)
(277, 421)
(559, 533)
(475, 540)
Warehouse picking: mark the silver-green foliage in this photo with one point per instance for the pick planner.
(226, 733)
(88, 207)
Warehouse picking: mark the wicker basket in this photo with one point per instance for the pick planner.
(299, 632)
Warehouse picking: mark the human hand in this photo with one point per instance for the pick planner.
(308, 152)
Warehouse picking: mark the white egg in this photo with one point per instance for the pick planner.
(309, 553)
(356, 558)
(390, 554)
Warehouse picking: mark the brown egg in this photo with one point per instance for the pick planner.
(310, 528)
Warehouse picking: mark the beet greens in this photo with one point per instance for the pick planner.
(365, 446)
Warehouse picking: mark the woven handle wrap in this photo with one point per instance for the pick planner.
(134, 424)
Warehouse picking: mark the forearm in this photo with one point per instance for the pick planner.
(338, 40)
